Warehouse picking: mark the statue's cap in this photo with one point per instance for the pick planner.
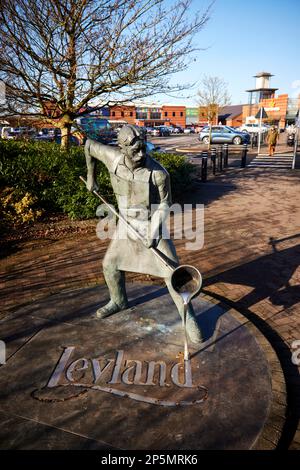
(129, 133)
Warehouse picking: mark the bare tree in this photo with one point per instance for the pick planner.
(57, 56)
(213, 95)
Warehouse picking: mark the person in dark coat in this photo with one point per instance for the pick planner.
(272, 140)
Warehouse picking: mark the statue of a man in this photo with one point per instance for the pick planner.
(139, 182)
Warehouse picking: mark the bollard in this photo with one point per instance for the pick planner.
(225, 154)
(244, 156)
(254, 140)
(220, 158)
(213, 159)
(204, 167)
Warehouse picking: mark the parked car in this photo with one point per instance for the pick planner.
(189, 130)
(96, 128)
(161, 131)
(223, 135)
(149, 130)
(250, 128)
(178, 130)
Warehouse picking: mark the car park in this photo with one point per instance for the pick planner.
(16, 133)
(223, 135)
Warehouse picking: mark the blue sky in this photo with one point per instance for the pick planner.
(244, 37)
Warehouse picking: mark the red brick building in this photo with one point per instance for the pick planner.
(125, 113)
(174, 115)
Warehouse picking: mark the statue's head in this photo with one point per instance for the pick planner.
(132, 142)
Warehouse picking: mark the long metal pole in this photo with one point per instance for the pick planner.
(295, 148)
(133, 230)
(259, 132)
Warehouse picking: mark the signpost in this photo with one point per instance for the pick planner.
(260, 115)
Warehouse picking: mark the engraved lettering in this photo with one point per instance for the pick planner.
(162, 373)
(188, 380)
(116, 371)
(74, 369)
(59, 369)
(135, 370)
(96, 367)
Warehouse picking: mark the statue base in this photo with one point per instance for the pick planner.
(72, 381)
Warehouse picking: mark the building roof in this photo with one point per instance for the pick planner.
(263, 89)
(231, 111)
(263, 74)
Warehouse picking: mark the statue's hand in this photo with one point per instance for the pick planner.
(92, 185)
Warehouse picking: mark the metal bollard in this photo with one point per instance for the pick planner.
(204, 167)
(244, 156)
(225, 153)
(220, 159)
(213, 154)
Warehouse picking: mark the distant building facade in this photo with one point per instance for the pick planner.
(281, 110)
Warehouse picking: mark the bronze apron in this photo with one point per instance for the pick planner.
(134, 201)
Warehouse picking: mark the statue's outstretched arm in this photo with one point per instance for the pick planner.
(96, 151)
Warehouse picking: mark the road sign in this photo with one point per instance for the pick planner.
(261, 114)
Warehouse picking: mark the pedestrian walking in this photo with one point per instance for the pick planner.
(272, 140)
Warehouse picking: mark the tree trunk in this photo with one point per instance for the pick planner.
(65, 125)
(65, 136)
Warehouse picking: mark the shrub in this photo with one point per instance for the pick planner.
(16, 208)
(49, 178)
(180, 172)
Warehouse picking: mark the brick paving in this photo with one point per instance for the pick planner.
(250, 261)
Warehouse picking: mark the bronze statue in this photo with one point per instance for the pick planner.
(139, 182)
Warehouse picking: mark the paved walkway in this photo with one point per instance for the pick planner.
(280, 161)
(250, 260)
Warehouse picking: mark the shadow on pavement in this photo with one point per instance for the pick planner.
(270, 277)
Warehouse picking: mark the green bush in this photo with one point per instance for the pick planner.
(51, 176)
(180, 172)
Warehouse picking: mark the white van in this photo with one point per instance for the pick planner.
(254, 128)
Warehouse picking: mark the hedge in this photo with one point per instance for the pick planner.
(48, 178)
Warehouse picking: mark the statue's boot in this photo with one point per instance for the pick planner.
(115, 281)
(109, 309)
(192, 327)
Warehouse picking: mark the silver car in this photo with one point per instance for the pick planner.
(223, 135)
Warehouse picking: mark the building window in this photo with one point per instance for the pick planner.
(122, 113)
(174, 114)
(155, 115)
(113, 113)
(141, 115)
(131, 113)
(166, 113)
(181, 113)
